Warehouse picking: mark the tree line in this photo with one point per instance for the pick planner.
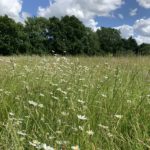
(65, 36)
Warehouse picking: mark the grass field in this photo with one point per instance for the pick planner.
(74, 103)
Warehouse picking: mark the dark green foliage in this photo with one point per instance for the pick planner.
(144, 49)
(132, 45)
(36, 29)
(91, 42)
(56, 39)
(65, 36)
(74, 33)
(9, 36)
(110, 40)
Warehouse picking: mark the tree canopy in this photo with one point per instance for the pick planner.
(64, 36)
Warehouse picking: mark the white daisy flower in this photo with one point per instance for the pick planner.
(90, 132)
(33, 103)
(119, 116)
(75, 147)
(80, 117)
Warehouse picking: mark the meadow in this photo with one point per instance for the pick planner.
(72, 103)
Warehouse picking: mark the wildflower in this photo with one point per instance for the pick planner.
(81, 128)
(33, 103)
(59, 142)
(51, 137)
(45, 147)
(42, 95)
(105, 77)
(40, 105)
(90, 132)
(103, 95)
(148, 95)
(55, 98)
(59, 132)
(38, 145)
(81, 90)
(75, 129)
(64, 113)
(64, 92)
(81, 79)
(80, 101)
(11, 114)
(7, 93)
(110, 135)
(80, 117)
(65, 142)
(102, 126)
(17, 97)
(118, 116)
(75, 147)
(35, 143)
(21, 133)
(59, 89)
(129, 101)
(42, 119)
(1, 90)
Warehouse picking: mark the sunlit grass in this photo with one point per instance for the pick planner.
(86, 103)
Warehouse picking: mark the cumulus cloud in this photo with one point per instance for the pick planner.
(133, 12)
(126, 31)
(83, 9)
(144, 3)
(92, 24)
(140, 30)
(24, 16)
(142, 27)
(13, 8)
(142, 39)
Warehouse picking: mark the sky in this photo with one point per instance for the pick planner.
(131, 17)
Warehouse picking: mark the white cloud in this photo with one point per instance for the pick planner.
(142, 27)
(142, 39)
(23, 17)
(133, 12)
(144, 3)
(126, 31)
(140, 30)
(13, 8)
(85, 10)
(92, 24)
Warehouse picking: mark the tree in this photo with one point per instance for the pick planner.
(9, 32)
(56, 38)
(67, 35)
(144, 49)
(110, 40)
(36, 30)
(74, 33)
(132, 45)
(91, 42)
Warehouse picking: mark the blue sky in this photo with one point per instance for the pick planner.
(125, 10)
(131, 17)
(32, 7)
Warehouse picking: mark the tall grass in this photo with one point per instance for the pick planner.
(74, 103)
